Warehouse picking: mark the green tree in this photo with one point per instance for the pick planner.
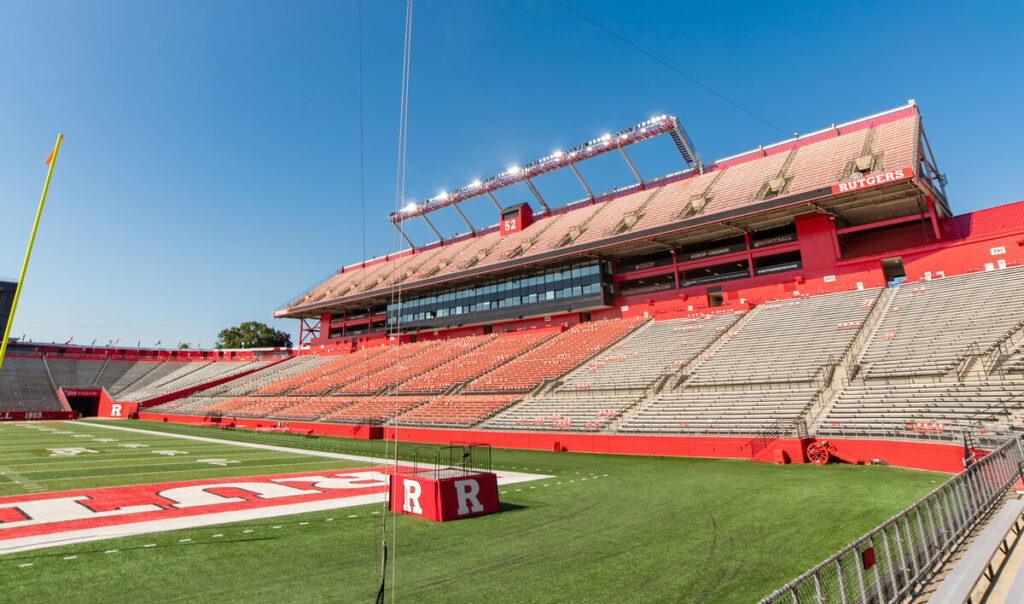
(252, 334)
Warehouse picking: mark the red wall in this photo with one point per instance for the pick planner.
(938, 457)
(113, 409)
(557, 321)
(342, 430)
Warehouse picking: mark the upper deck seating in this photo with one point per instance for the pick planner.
(613, 212)
(729, 184)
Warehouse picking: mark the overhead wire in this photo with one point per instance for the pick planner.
(667, 65)
(396, 298)
(362, 158)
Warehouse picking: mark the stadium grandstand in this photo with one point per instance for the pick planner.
(812, 286)
(810, 300)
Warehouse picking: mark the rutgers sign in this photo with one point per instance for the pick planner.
(873, 180)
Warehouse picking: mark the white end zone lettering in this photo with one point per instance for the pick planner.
(42, 520)
(467, 491)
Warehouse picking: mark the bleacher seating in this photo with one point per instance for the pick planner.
(1014, 363)
(931, 326)
(262, 379)
(70, 373)
(328, 372)
(251, 406)
(194, 404)
(374, 409)
(788, 341)
(410, 360)
(653, 350)
(25, 386)
(312, 407)
(460, 410)
(565, 411)
(554, 357)
(862, 407)
(739, 411)
(612, 213)
(121, 375)
(174, 376)
(475, 362)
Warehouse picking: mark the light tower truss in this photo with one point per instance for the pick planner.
(663, 124)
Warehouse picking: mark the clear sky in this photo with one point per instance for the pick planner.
(210, 170)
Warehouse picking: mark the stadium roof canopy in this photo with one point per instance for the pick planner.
(873, 170)
(663, 124)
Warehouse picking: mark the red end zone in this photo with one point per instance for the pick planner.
(75, 515)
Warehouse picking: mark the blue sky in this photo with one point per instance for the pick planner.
(210, 170)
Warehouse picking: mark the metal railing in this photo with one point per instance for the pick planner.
(891, 561)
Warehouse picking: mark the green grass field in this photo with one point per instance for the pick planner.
(605, 528)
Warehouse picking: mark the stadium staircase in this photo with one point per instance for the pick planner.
(140, 379)
(675, 379)
(99, 376)
(49, 374)
(847, 367)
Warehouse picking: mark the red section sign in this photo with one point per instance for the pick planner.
(872, 180)
(49, 513)
(511, 225)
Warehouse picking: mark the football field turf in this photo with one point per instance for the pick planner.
(602, 528)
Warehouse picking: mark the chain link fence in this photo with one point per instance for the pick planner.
(889, 562)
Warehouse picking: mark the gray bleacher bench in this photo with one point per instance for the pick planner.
(977, 560)
(1016, 591)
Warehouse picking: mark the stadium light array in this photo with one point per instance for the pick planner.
(662, 124)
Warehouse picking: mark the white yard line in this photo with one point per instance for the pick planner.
(360, 458)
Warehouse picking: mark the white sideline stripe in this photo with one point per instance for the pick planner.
(373, 460)
(359, 458)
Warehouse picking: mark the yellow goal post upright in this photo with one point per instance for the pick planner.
(51, 161)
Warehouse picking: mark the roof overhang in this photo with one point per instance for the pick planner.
(887, 195)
